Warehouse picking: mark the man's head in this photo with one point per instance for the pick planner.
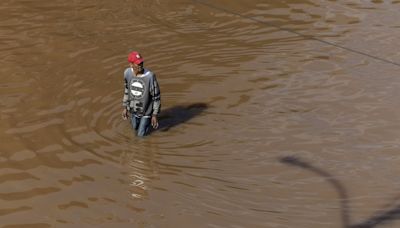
(136, 61)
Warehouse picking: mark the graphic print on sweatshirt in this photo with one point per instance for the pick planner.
(137, 88)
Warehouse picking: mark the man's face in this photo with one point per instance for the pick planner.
(137, 68)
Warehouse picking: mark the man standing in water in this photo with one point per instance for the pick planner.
(142, 98)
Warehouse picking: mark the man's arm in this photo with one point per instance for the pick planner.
(125, 99)
(156, 96)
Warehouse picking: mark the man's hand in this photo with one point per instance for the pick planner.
(154, 122)
(125, 114)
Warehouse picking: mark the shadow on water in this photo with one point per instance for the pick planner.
(380, 218)
(290, 160)
(180, 114)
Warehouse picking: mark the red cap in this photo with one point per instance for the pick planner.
(135, 57)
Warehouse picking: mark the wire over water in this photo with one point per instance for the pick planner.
(297, 33)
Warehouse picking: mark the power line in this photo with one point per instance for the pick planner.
(297, 33)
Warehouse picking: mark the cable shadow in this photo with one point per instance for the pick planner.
(380, 218)
(180, 114)
(291, 160)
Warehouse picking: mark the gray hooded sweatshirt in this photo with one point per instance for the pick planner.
(142, 95)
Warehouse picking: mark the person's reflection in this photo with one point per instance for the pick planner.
(142, 167)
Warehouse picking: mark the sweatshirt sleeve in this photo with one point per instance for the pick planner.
(125, 99)
(156, 96)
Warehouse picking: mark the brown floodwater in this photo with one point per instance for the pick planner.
(274, 114)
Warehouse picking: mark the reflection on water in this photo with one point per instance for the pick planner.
(243, 84)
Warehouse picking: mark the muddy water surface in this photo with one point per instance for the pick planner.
(274, 114)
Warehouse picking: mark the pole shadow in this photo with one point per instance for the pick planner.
(179, 114)
(382, 217)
